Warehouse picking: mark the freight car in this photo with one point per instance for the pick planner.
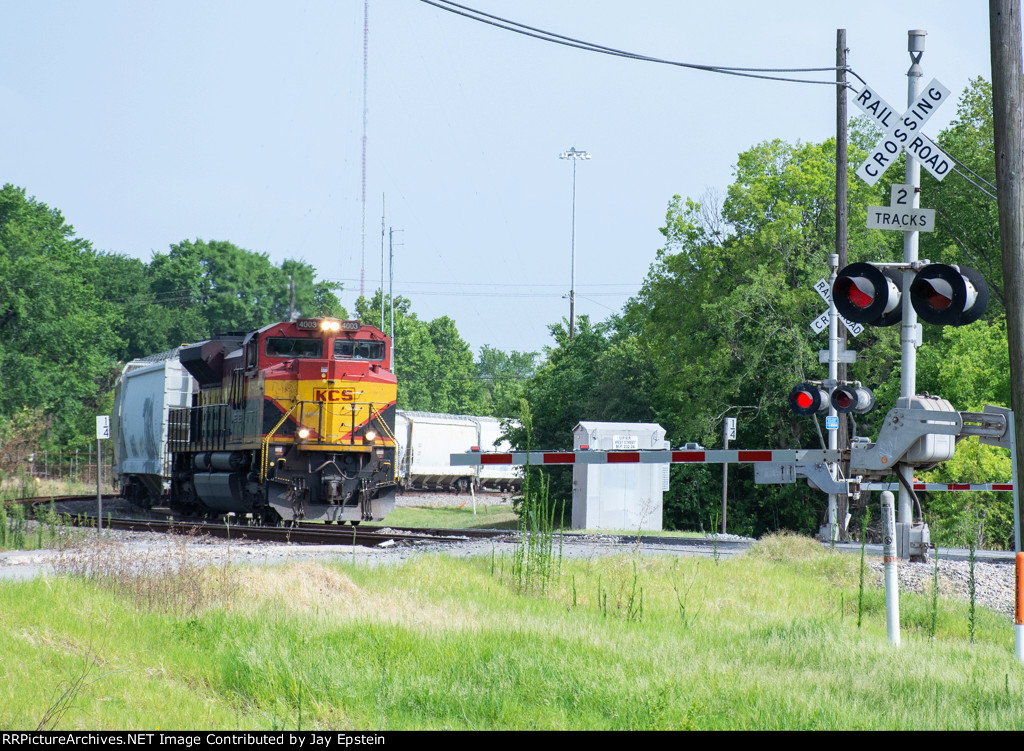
(293, 421)
(427, 440)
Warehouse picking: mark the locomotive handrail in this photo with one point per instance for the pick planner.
(343, 411)
(382, 423)
(266, 442)
(193, 427)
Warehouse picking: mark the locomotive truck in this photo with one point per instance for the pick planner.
(293, 421)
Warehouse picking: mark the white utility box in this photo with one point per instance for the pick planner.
(620, 497)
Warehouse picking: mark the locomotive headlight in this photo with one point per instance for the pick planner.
(303, 433)
(335, 325)
(369, 435)
(325, 325)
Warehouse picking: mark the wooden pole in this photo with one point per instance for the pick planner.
(843, 501)
(1008, 114)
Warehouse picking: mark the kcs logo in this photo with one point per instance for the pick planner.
(333, 395)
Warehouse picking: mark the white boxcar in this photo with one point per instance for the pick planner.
(426, 441)
(145, 391)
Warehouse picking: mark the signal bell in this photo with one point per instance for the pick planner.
(808, 399)
(865, 293)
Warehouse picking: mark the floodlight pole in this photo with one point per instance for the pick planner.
(573, 155)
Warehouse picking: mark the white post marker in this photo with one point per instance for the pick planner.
(102, 433)
(892, 592)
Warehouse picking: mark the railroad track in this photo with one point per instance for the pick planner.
(318, 533)
(302, 533)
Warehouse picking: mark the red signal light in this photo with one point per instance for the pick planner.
(859, 298)
(858, 399)
(949, 295)
(808, 399)
(865, 293)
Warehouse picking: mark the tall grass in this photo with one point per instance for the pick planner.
(754, 642)
(534, 562)
(48, 530)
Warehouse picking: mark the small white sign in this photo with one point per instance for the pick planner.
(903, 220)
(625, 442)
(103, 426)
(730, 428)
(832, 422)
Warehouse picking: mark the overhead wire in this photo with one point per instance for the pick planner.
(548, 36)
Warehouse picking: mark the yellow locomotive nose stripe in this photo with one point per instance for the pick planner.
(335, 413)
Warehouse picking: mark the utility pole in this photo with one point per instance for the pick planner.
(391, 294)
(574, 156)
(843, 501)
(1008, 114)
(291, 298)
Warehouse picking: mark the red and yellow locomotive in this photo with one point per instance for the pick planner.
(294, 421)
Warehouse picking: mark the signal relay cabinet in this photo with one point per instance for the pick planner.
(618, 497)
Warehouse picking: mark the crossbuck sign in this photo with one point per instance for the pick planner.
(903, 133)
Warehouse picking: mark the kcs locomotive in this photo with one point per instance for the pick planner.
(293, 421)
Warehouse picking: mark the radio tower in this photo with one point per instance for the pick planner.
(362, 249)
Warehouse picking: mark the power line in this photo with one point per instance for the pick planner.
(548, 36)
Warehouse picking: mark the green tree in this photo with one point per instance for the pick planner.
(416, 362)
(503, 376)
(966, 219)
(57, 336)
(214, 287)
(456, 384)
(722, 321)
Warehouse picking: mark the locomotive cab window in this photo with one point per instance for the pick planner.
(351, 349)
(280, 346)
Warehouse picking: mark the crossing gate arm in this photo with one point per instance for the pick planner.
(997, 487)
(649, 456)
(770, 466)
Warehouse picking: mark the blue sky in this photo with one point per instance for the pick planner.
(148, 123)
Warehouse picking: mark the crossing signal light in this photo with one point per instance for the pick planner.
(808, 399)
(856, 399)
(865, 293)
(942, 295)
(949, 295)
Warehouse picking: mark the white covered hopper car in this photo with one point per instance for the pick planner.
(428, 439)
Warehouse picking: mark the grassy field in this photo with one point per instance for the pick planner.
(767, 641)
(487, 517)
(454, 517)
